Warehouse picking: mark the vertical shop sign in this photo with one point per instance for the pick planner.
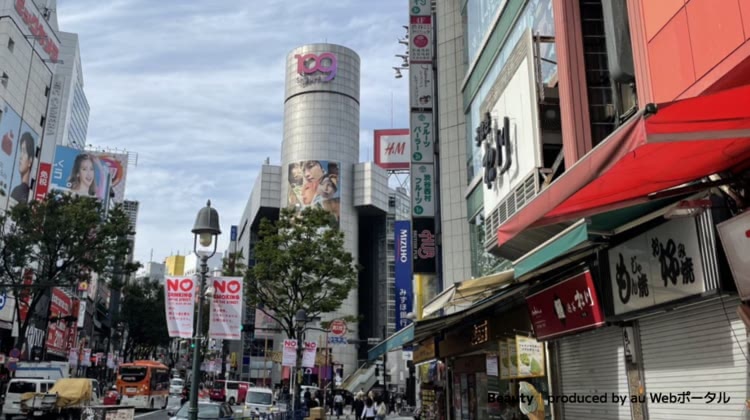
(402, 271)
(420, 39)
(422, 138)
(425, 246)
(421, 91)
(423, 190)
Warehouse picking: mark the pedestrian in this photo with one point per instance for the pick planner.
(329, 401)
(358, 406)
(369, 411)
(382, 409)
(338, 402)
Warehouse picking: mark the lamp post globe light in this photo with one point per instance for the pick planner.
(206, 232)
(300, 319)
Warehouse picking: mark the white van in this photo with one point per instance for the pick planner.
(259, 401)
(18, 387)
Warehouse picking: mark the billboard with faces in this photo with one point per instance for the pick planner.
(18, 144)
(315, 183)
(79, 172)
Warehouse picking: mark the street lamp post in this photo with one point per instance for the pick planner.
(206, 231)
(300, 319)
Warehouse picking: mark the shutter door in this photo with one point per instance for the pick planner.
(693, 349)
(593, 363)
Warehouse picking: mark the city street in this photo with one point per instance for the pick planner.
(162, 415)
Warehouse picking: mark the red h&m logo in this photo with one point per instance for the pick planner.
(179, 285)
(325, 63)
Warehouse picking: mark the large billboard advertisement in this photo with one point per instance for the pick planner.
(117, 163)
(402, 272)
(315, 183)
(79, 172)
(17, 152)
(392, 149)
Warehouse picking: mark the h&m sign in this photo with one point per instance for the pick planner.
(496, 144)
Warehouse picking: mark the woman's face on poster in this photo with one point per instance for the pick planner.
(86, 173)
(313, 171)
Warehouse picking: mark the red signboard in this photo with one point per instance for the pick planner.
(392, 149)
(60, 307)
(42, 180)
(568, 306)
(338, 327)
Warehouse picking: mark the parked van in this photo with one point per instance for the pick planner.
(259, 401)
(232, 392)
(18, 387)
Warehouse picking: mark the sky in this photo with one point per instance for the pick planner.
(196, 88)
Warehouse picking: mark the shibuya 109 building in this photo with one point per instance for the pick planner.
(320, 166)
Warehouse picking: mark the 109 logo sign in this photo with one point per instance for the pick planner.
(308, 65)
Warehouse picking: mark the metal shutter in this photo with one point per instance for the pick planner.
(693, 349)
(593, 363)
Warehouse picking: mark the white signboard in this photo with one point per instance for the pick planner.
(422, 137)
(289, 355)
(735, 236)
(53, 109)
(420, 8)
(308, 356)
(392, 149)
(657, 266)
(420, 39)
(226, 308)
(423, 190)
(179, 300)
(421, 85)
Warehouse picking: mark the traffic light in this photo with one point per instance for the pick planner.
(192, 344)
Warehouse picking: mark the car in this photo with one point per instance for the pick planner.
(175, 386)
(206, 410)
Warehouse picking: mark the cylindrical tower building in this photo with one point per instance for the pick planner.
(321, 147)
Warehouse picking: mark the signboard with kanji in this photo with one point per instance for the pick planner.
(423, 190)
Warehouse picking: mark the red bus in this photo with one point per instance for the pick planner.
(143, 384)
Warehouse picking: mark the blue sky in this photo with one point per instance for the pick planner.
(196, 89)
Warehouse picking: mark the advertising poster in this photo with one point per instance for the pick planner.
(491, 365)
(18, 144)
(56, 331)
(425, 247)
(392, 149)
(402, 272)
(309, 353)
(289, 355)
(421, 85)
(422, 138)
(504, 360)
(530, 357)
(315, 183)
(79, 172)
(73, 357)
(225, 320)
(423, 190)
(513, 356)
(179, 299)
(117, 163)
(86, 357)
(265, 326)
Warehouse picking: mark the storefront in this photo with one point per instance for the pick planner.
(431, 375)
(669, 286)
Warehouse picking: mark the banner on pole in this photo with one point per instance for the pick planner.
(179, 298)
(226, 308)
(289, 357)
(308, 357)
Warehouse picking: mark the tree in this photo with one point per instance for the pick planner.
(300, 263)
(143, 313)
(232, 265)
(59, 242)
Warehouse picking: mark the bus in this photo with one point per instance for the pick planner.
(232, 392)
(143, 384)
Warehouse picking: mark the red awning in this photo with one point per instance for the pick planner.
(684, 141)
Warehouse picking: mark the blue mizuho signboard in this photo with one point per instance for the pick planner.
(403, 272)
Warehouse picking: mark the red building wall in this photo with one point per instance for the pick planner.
(691, 46)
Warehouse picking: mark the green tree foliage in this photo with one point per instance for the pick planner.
(61, 240)
(144, 315)
(232, 265)
(300, 263)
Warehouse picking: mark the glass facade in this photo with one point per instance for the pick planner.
(537, 14)
(479, 15)
(79, 118)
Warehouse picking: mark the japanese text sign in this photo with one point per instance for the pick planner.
(392, 149)
(226, 308)
(289, 355)
(657, 266)
(425, 246)
(42, 180)
(420, 7)
(60, 307)
(179, 300)
(422, 138)
(308, 356)
(402, 272)
(423, 190)
(530, 357)
(569, 306)
(420, 39)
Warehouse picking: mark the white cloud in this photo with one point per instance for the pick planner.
(196, 89)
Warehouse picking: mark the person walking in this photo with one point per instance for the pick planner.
(358, 406)
(338, 403)
(369, 411)
(382, 409)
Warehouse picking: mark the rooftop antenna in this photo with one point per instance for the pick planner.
(151, 258)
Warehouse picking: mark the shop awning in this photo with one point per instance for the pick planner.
(394, 341)
(682, 142)
(559, 245)
(468, 291)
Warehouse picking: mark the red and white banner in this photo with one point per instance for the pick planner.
(179, 298)
(289, 355)
(308, 356)
(226, 308)
(42, 180)
(392, 149)
(60, 307)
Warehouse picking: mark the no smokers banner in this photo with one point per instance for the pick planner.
(226, 308)
(179, 302)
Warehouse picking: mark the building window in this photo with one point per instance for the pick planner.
(46, 91)
(11, 44)
(4, 79)
(41, 121)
